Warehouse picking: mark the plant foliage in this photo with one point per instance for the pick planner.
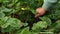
(17, 17)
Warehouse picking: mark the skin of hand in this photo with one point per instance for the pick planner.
(39, 12)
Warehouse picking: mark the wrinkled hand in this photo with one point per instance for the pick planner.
(39, 12)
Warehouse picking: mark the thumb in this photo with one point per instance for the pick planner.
(37, 15)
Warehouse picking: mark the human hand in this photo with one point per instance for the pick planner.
(39, 12)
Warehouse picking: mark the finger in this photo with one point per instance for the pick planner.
(37, 15)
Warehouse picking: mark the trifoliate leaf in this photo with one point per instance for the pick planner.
(10, 24)
(48, 20)
(39, 25)
(25, 31)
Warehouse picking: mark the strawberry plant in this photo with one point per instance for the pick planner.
(17, 17)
